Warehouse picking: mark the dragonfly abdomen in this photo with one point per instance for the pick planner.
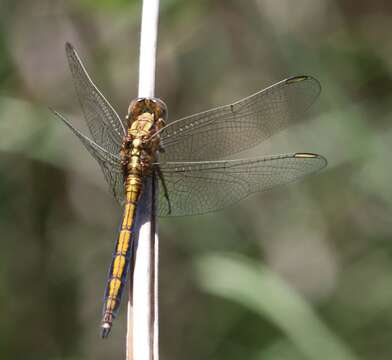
(122, 253)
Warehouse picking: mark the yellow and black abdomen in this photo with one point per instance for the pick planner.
(122, 254)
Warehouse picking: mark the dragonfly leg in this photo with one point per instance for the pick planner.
(166, 193)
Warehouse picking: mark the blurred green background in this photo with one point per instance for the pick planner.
(301, 272)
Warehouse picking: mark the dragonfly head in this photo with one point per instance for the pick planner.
(145, 107)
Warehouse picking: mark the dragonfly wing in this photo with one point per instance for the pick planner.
(201, 187)
(109, 163)
(229, 129)
(104, 124)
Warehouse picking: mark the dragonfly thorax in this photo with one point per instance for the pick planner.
(140, 146)
(141, 126)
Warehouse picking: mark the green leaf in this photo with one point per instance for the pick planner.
(260, 290)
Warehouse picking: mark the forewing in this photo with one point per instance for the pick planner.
(104, 124)
(229, 129)
(201, 187)
(109, 163)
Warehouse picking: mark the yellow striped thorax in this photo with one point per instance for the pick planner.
(146, 116)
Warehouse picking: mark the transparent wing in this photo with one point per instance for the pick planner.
(104, 124)
(109, 163)
(201, 187)
(229, 129)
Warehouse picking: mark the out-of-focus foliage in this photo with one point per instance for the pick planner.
(261, 291)
(314, 271)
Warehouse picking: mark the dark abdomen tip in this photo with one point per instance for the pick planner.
(106, 327)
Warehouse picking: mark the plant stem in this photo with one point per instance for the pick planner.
(142, 323)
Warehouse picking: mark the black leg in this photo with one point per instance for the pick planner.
(162, 178)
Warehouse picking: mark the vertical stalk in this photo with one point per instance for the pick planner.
(148, 46)
(142, 323)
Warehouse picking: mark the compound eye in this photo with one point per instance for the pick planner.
(134, 106)
(164, 111)
(161, 108)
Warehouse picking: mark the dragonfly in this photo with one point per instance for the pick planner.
(185, 156)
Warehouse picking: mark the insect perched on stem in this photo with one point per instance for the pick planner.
(193, 180)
